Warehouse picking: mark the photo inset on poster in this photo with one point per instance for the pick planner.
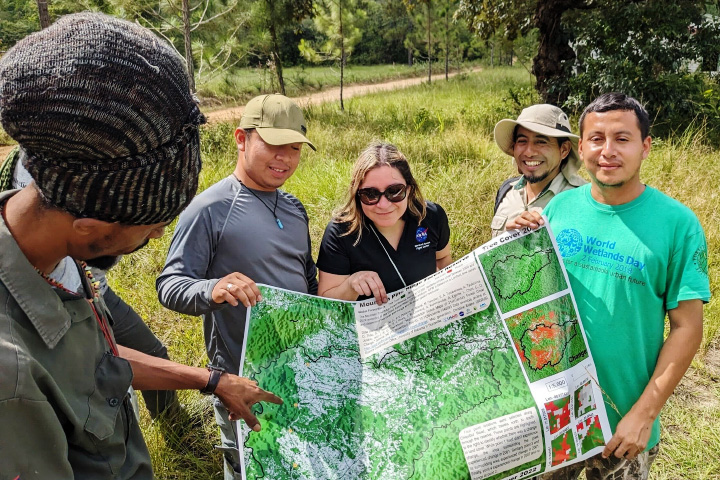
(584, 400)
(523, 271)
(563, 448)
(548, 338)
(558, 414)
(590, 434)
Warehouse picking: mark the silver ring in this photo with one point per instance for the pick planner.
(229, 286)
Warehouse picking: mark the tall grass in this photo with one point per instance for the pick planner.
(446, 131)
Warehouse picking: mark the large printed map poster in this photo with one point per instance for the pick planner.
(479, 371)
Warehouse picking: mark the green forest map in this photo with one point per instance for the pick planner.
(523, 271)
(397, 415)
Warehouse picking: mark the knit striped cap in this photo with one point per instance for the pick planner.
(103, 109)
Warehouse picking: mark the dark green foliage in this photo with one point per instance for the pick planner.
(507, 17)
(649, 50)
(386, 27)
(18, 18)
(646, 48)
(290, 37)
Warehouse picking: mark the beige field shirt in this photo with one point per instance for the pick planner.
(515, 201)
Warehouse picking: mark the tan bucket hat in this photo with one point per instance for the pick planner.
(546, 120)
(277, 119)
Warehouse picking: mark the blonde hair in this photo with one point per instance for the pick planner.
(378, 154)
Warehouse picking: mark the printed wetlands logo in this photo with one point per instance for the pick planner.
(569, 242)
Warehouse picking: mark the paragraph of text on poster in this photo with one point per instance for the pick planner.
(452, 293)
(501, 444)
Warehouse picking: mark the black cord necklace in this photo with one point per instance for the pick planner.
(273, 209)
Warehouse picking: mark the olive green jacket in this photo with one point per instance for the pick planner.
(64, 408)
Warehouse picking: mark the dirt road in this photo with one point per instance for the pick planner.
(330, 95)
(333, 95)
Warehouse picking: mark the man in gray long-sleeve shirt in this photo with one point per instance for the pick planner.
(238, 231)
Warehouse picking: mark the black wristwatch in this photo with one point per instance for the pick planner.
(215, 374)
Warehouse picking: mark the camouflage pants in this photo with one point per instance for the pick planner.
(613, 468)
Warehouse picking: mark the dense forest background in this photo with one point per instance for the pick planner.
(665, 52)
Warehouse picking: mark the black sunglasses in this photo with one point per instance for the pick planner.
(394, 193)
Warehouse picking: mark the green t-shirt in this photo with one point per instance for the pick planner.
(628, 265)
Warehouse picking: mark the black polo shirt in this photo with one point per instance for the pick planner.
(414, 257)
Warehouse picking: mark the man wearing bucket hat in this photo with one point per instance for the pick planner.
(241, 230)
(544, 150)
(103, 110)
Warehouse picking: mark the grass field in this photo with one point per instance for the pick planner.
(446, 131)
(236, 86)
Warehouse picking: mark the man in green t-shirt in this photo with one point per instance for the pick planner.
(633, 255)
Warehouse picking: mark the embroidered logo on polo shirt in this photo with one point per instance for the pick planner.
(700, 258)
(421, 234)
(421, 237)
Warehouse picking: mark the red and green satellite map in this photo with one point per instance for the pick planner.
(563, 449)
(590, 434)
(558, 414)
(584, 401)
(548, 338)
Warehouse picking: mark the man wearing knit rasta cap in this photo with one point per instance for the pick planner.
(240, 231)
(129, 329)
(103, 111)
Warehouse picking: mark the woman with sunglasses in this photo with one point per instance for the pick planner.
(386, 236)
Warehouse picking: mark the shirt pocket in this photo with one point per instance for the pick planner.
(113, 376)
(498, 222)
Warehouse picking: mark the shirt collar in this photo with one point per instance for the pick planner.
(35, 296)
(555, 186)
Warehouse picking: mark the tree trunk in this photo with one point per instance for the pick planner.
(342, 56)
(188, 44)
(410, 57)
(43, 13)
(276, 57)
(554, 52)
(429, 40)
(492, 55)
(447, 42)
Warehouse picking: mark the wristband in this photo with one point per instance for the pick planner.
(213, 380)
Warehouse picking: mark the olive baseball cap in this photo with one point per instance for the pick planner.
(277, 119)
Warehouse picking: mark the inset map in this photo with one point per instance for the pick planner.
(523, 270)
(563, 448)
(548, 338)
(397, 415)
(590, 434)
(558, 414)
(584, 400)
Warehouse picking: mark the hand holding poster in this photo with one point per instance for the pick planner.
(478, 371)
